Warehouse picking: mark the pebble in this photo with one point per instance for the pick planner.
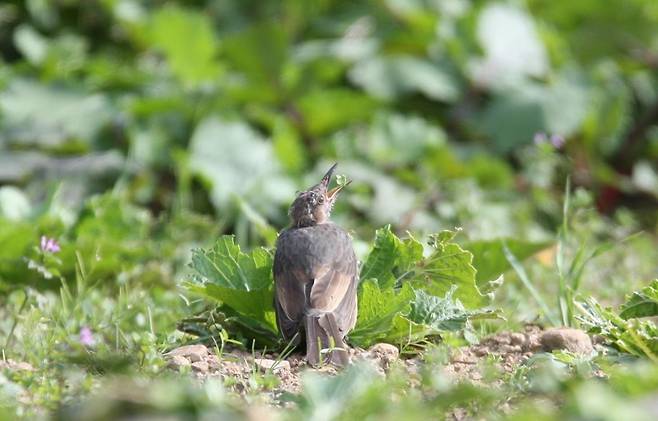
(178, 361)
(573, 340)
(193, 352)
(517, 339)
(275, 366)
(385, 351)
(200, 366)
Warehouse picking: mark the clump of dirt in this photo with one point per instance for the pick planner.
(505, 350)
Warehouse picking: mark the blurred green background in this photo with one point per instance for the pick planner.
(203, 117)
(132, 131)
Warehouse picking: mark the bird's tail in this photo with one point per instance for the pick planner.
(324, 341)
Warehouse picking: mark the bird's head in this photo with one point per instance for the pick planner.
(313, 206)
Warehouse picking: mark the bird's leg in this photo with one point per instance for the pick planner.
(338, 352)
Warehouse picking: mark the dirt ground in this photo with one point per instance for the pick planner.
(504, 352)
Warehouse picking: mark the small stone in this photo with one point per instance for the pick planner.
(275, 366)
(517, 338)
(507, 349)
(569, 339)
(178, 361)
(213, 362)
(193, 352)
(200, 366)
(533, 344)
(385, 351)
(482, 351)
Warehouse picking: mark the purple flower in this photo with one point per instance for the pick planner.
(557, 141)
(49, 245)
(540, 138)
(86, 337)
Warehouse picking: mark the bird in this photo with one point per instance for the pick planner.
(316, 277)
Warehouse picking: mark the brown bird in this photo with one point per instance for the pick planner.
(316, 276)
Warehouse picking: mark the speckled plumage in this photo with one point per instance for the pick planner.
(316, 276)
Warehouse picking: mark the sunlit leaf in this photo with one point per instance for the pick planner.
(48, 116)
(237, 160)
(449, 266)
(489, 257)
(377, 309)
(239, 280)
(389, 77)
(642, 303)
(186, 37)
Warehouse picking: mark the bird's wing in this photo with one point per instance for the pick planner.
(289, 300)
(331, 284)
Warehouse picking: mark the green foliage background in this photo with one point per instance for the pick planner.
(229, 107)
(136, 133)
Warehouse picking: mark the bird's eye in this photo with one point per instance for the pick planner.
(321, 199)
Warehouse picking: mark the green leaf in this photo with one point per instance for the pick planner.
(378, 308)
(449, 266)
(443, 313)
(236, 279)
(186, 37)
(516, 114)
(288, 146)
(500, 26)
(326, 110)
(396, 139)
(51, 116)
(238, 161)
(259, 53)
(636, 337)
(390, 77)
(489, 258)
(14, 204)
(16, 239)
(642, 303)
(391, 259)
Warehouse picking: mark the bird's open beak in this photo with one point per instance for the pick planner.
(327, 177)
(331, 194)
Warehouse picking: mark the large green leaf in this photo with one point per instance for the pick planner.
(642, 303)
(392, 76)
(391, 259)
(378, 307)
(50, 116)
(15, 241)
(449, 266)
(236, 160)
(515, 115)
(326, 110)
(186, 37)
(14, 204)
(489, 257)
(443, 313)
(259, 53)
(400, 140)
(499, 27)
(239, 280)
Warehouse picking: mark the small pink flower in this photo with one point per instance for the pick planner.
(86, 337)
(49, 245)
(557, 141)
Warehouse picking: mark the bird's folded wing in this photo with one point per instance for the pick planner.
(290, 293)
(330, 288)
